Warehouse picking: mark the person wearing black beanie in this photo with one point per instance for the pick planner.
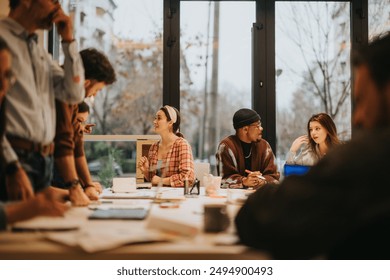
(245, 159)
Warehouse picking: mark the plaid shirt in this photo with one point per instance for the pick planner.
(177, 165)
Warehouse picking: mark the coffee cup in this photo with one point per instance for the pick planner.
(215, 218)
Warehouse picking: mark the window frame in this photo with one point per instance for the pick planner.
(263, 55)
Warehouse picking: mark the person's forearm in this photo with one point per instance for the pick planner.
(146, 175)
(66, 167)
(83, 171)
(166, 181)
(20, 211)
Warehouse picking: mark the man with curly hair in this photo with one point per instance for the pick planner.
(70, 160)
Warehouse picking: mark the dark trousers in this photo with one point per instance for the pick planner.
(38, 168)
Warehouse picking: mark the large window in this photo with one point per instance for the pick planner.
(312, 68)
(215, 79)
(130, 33)
(285, 59)
(378, 17)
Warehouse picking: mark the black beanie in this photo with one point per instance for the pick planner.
(244, 117)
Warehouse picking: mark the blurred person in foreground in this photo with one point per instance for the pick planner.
(245, 159)
(48, 202)
(341, 208)
(27, 146)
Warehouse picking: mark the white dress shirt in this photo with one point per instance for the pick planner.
(40, 80)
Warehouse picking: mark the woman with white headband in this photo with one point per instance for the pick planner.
(170, 159)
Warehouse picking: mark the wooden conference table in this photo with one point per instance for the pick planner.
(120, 239)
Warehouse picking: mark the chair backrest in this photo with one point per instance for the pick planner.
(290, 169)
(143, 147)
(200, 169)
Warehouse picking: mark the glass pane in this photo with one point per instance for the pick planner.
(312, 68)
(378, 17)
(110, 159)
(129, 32)
(215, 77)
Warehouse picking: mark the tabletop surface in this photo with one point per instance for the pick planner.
(172, 230)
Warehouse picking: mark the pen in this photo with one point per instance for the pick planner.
(258, 176)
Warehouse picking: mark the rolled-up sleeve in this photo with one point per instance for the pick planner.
(69, 81)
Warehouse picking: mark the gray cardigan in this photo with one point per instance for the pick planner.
(305, 157)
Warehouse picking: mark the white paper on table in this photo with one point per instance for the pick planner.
(124, 185)
(121, 204)
(47, 223)
(138, 194)
(72, 220)
(166, 221)
(93, 241)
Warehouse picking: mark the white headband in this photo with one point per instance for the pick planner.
(172, 113)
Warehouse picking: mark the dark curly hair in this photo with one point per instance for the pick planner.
(83, 107)
(97, 66)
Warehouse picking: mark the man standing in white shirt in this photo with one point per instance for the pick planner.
(28, 144)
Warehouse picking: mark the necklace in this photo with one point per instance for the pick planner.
(250, 152)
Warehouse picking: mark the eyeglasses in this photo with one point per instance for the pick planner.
(258, 125)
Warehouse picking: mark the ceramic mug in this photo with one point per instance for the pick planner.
(215, 218)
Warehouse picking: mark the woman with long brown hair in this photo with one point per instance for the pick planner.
(321, 136)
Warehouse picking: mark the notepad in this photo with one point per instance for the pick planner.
(119, 214)
(124, 185)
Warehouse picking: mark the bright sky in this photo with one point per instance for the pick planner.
(140, 19)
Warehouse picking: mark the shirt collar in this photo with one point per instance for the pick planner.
(19, 30)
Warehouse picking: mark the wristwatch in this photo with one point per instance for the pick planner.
(12, 167)
(72, 183)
